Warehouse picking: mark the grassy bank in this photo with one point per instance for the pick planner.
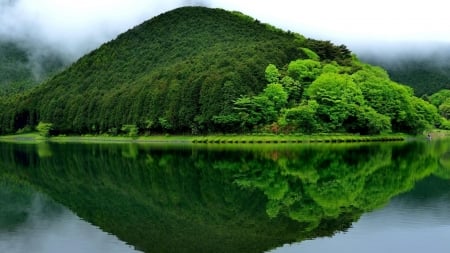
(210, 139)
(242, 139)
(34, 138)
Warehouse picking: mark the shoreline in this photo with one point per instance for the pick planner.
(210, 139)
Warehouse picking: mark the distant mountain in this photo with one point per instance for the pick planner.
(20, 71)
(426, 72)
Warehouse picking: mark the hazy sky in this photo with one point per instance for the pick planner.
(78, 26)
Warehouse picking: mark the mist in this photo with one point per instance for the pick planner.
(70, 28)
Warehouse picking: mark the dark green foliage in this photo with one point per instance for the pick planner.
(327, 51)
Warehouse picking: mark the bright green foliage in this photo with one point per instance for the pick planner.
(444, 109)
(303, 117)
(304, 71)
(441, 100)
(44, 128)
(311, 54)
(277, 95)
(272, 74)
(370, 121)
(300, 73)
(407, 113)
(439, 97)
(338, 98)
(294, 89)
(130, 130)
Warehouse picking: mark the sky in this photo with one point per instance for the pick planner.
(75, 27)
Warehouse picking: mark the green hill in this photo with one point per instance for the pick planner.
(18, 72)
(201, 70)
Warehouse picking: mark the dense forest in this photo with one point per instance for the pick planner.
(20, 71)
(199, 70)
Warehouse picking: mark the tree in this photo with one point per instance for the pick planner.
(304, 70)
(255, 111)
(44, 128)
(338, 98)
(272, 74)
(407, 113)
(130, 130)
(444, 109)
(303, 118)
(276, 93)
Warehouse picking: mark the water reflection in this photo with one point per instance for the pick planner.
(415, 222)
(31, 222)
(194, 199)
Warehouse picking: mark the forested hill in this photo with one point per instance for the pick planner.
(427, 73)
(201, 70)
(19, 72)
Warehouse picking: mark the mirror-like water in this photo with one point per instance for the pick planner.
(304, 198)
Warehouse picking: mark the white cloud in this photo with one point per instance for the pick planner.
(353, 21)
(74, 27)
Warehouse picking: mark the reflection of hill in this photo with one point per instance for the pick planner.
(428, 190)
(19, 202)
(14, 200)
(183, 200)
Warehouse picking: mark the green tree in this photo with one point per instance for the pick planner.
(338, 98)
(44, 128)
(439, 97)
(304, 70)
(407, 113)
(255, 111)
(130, 130)
(293, 88)
(276, 93)
(444, 109)
(303, 118)
(272, 74)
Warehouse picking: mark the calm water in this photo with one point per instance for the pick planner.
(146, 198)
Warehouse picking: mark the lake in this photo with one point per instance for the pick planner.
(372, 197)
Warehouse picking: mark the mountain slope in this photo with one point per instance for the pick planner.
(18, 72)
(427, 73)
(172, 73)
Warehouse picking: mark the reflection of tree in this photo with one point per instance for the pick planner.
(442, 151)
(318, 184)
(192, 200)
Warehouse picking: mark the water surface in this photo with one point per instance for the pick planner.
(278, 198)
